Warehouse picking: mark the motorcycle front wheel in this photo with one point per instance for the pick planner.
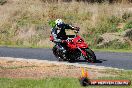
(91, 57)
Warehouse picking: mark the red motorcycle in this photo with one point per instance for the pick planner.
(75, 48)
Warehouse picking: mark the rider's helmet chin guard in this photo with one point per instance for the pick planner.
(59, 23)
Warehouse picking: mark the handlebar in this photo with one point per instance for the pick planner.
(76, 29)
(70, 39)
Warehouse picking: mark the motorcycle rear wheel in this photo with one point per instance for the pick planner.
(56, 53)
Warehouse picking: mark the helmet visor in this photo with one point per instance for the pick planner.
(60, 25)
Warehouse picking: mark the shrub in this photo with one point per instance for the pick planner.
(2, 2)
(126, 16)
(128, 25)
(116, 45)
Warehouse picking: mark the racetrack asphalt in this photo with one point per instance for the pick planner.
(107, 59)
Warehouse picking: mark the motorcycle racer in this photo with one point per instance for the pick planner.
(69, 47)
(60, 37)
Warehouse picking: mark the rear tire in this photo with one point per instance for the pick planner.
(90, 55)
(55, 51)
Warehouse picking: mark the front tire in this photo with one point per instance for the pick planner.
(56, 53)
(90, 55)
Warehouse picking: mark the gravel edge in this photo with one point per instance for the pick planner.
(60, 63)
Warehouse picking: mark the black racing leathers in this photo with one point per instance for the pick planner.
(62, 34)
(58, 37)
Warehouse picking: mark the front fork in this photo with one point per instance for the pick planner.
(83, 52)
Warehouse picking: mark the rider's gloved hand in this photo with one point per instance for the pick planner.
(76, 28)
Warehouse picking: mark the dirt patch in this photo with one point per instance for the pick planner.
(124, 37)
(10, 68)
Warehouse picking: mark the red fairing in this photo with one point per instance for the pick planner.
(72, 45)
(80, 42)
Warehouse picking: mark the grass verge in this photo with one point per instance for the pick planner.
(58, 82)
(114, 50)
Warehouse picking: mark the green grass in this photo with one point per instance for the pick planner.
(114, 50)
(24, 46)
(58, 82)
(44, 83)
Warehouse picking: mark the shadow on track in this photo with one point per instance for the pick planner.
(97, 61)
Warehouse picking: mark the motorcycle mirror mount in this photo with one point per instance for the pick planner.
(75, 32)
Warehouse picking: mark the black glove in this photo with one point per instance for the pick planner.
(77, 28)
